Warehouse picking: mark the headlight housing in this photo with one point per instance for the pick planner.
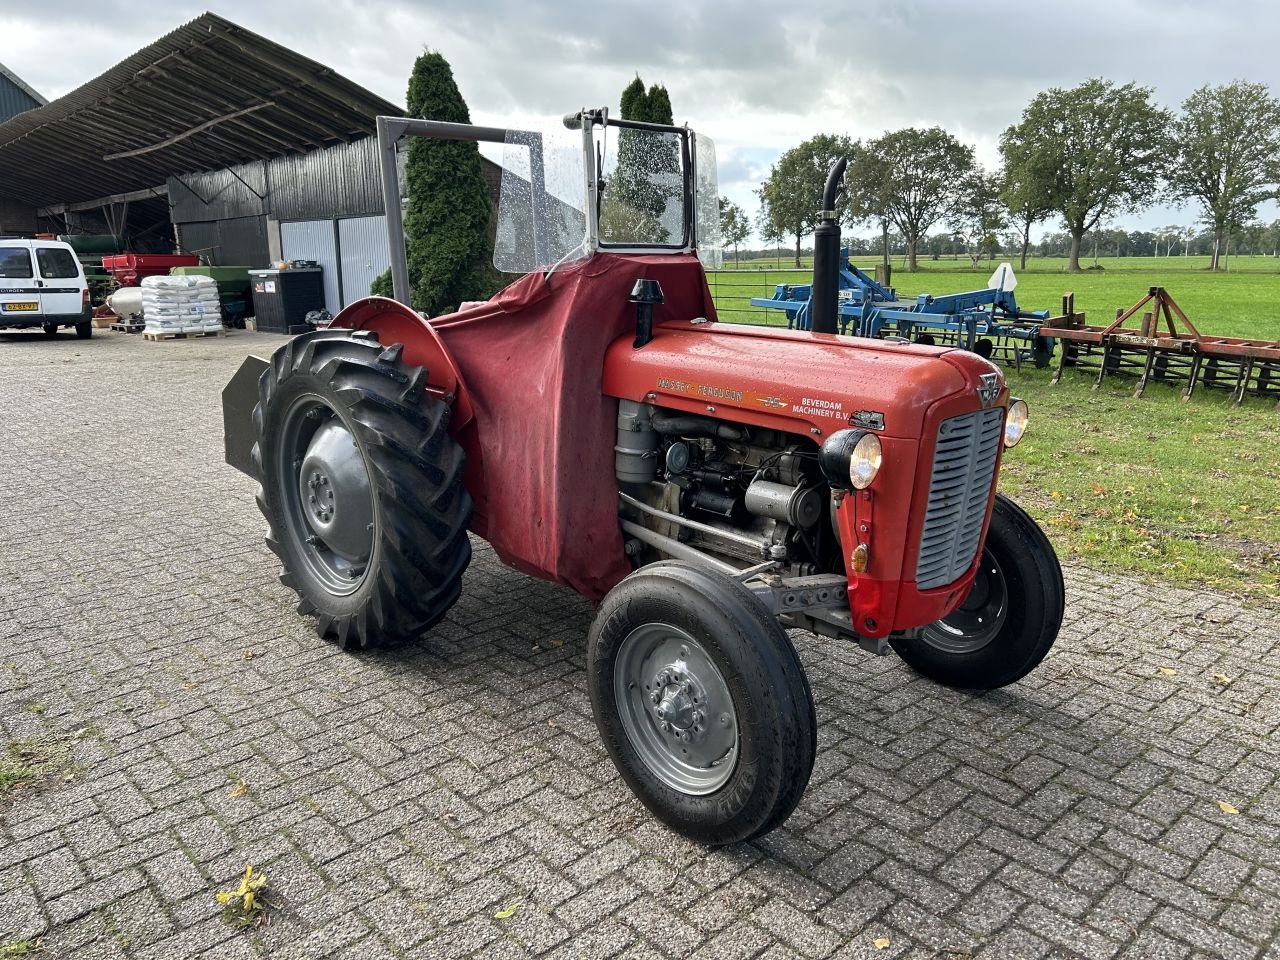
(851, 459)
(1015, 422)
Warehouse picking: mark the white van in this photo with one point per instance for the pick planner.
(42, 285)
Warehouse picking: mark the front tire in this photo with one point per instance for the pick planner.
(1010, 618)
(50, 329)
(701, 702)
(362, 487)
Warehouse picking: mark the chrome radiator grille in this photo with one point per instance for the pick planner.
(964, 465)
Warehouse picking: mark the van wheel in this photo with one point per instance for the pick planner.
(50, 329)
(84, 330)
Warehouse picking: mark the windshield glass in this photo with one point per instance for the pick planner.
(542, 217)
(707, 203)
(642, 189)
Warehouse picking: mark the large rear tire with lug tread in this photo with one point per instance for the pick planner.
(1010, 618)
(701, 702)
(361, 484)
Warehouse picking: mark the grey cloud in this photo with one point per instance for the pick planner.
(757, 74)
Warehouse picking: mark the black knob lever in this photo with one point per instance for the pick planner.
(644, 295)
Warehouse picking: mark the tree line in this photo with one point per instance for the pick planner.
(1081, 156)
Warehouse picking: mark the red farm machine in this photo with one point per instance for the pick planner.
(707, 485)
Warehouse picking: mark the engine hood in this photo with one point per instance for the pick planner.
(799, 381)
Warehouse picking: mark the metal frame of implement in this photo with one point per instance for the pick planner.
(870, 309)
(1178, 354)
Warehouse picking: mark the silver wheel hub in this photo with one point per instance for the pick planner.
(676, 709)
(333, 486)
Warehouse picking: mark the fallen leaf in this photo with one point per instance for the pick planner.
(250, 654)
(239, 790)
(1222, 678)
(1226, 807)
(881, 943)
(507, 911)
(1168, 671)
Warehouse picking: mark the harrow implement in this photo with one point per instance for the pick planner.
(1165, 347)
(988, 322)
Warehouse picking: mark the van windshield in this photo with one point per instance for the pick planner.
(15, 263)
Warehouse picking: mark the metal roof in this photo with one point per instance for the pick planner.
(208, 95)
(15, 95)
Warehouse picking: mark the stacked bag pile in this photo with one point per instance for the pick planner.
(180, 305)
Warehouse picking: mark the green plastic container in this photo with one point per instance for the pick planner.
(93, 244)
(228, 279)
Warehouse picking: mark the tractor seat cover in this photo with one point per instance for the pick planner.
(540, 447)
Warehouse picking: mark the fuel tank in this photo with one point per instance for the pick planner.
(802, 382)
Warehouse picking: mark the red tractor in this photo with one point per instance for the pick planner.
(708, 485)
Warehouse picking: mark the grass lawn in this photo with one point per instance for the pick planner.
(1187, 491)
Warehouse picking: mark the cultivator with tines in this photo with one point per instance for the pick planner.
(1165, 347)
(988, 321)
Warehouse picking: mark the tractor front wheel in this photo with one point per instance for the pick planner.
(1010, 617)
(362, 487)
(701, 701)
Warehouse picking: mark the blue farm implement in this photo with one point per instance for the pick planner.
(988, 322)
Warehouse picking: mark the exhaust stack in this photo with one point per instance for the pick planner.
(824, 313)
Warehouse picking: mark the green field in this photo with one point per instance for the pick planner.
(1244, 302)
(1188, 491)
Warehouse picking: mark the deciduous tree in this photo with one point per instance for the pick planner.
(914, 178)
(793, 193)
(1089, 153)
(734, 225)
(1228, 141)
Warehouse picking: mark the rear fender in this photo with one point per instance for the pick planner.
(239, 397)
(396, 323)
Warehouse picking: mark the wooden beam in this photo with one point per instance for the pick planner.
(60, 208)
(188, 133)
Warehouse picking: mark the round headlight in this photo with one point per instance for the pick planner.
(864, 462)
(1015, 422)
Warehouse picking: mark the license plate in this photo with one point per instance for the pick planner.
(19, 307)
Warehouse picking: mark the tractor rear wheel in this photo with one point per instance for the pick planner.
(1010, 618)
(701, 702)
(362, 487)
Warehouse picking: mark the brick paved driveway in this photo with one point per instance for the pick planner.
(398, 801)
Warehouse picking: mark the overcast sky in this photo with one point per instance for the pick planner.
(757, 76)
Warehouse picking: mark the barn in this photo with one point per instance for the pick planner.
(215, 141)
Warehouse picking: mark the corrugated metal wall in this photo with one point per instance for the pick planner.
(219, 194)
(341, 181)
(362, 248)
(14, 100)
(238, 242)
(315, 240)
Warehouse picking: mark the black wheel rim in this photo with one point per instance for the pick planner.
(676, 709)
(977, 621)
(324, 486)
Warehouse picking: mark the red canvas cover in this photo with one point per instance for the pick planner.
(540, 448)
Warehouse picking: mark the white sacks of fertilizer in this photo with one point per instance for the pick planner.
(180, 305)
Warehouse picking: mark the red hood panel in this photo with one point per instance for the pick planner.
(814, 382)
